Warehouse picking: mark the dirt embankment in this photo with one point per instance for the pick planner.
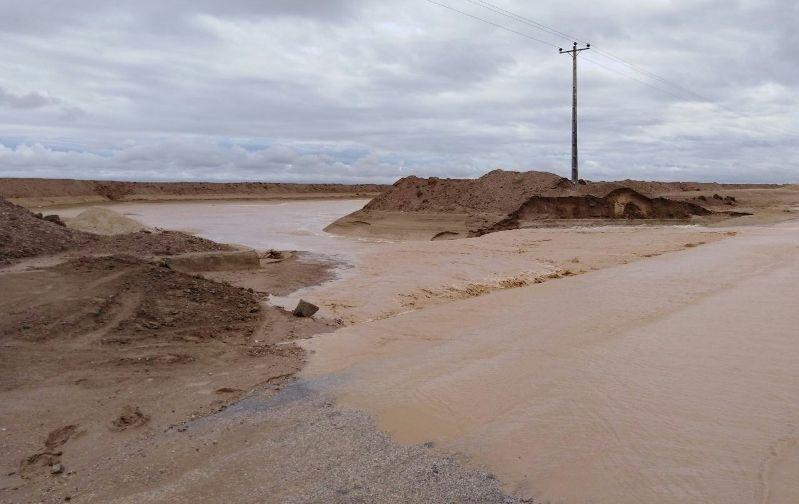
(456, 208)
(49, 192)
(25, 234)
(621, 203)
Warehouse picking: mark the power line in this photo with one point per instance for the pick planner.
(531, 22)
(573, 38)
(548, 29)
(497, 25)
(553, 31)
(652, 75)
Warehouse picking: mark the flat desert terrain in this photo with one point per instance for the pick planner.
(509, 339)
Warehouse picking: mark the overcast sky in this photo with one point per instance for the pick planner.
(370, 91)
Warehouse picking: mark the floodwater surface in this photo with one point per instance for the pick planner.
(672, 379)
(281, 225)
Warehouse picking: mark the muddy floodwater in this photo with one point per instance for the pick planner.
(671, 379)
(608, 365)
(282, 225)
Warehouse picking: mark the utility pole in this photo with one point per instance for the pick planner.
(574, 52)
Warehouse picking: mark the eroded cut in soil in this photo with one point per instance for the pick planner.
(618, 204)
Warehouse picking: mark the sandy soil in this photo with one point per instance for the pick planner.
(395, 277)
(107, 352)
(281, 273)
(104, 221)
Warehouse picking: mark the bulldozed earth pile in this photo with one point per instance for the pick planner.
(25, 234)
(456, 208)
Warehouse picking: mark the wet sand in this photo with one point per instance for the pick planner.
(389, 278)
(670, 379)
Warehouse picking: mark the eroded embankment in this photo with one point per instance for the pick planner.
(416, 208)
(621, 203)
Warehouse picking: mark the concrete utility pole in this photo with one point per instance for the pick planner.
(573, 52)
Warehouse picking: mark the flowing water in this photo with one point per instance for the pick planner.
(674, 379)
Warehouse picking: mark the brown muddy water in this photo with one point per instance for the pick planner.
(282, 225)
(672, 379)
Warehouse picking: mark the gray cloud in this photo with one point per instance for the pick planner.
(30, 100)
(368, 90)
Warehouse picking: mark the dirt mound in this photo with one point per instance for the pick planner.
(621, 203)
(132, 300)
(104, 221)
(149, 244)
(504, 192)
(25, 234)
(453, 208)
(495, 192)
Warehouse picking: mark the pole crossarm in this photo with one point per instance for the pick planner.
(574, 52)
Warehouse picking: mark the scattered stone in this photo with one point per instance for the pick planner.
(54, 219)
(228, 390)
(56, 469)
(305, 309)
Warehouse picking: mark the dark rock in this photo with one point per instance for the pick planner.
(305, 309)
(54, 219)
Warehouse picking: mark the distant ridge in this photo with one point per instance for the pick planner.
(48, 192)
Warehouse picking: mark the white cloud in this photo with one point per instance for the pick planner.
(361, 89)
